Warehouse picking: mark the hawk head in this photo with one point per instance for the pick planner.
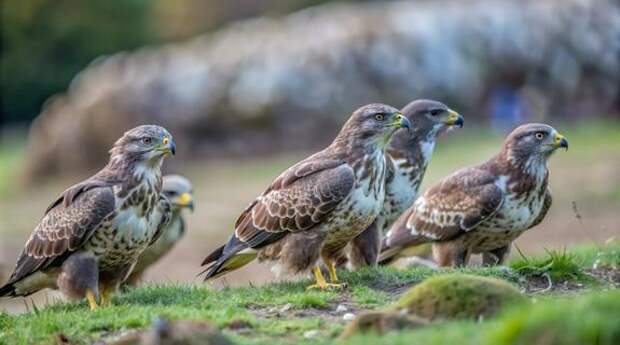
(533, 143)
(179, 191)
(430, 117)
(374, 124)
(144, 144)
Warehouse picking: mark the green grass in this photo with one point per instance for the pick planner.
(259, 308)
(559, 265)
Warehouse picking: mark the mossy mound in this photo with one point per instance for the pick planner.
(381, 322)
(589, 319)
(458, 296)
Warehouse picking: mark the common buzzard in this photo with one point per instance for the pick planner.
(92, 234)
(482, 209)
(314, 208)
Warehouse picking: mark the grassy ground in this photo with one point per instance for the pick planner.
(286, 313)
(586, 174)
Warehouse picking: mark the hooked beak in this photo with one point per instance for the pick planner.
(454, 119)
(185, 200)
(168, 146)
(401, 122)
(559, 141)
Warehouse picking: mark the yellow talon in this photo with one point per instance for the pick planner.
(92, 301)
(321, 283)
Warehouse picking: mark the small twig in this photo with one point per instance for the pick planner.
(579, 218)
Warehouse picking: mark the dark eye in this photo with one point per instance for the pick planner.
(435, 112)
(379, 117)
(147, 140)
(540, 135)
(170, 194)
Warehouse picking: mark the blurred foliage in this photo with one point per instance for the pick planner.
(45, 43)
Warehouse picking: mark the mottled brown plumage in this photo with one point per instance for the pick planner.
(178, 190)
(314, 208)
(91, 235)
(408, 156)
(482, 209)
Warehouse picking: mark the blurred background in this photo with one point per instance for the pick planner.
(248, 87)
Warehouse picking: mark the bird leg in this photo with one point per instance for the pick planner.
(333, 277)
(321, 283)
(496, 256)
(92, 300)
(106, 295)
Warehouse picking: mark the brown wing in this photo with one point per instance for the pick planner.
(543, 212)
(455, 205)
(64, 227)
(298, 199)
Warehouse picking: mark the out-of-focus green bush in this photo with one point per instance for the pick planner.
(46, 42)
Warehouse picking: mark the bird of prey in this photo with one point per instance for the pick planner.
(408, 156)
(482, 209)
(91, 236)
(315, 207)
(179, 192)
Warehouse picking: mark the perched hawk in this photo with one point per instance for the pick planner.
(484, 208)
(179, 192)
(92, 234)
(313, 209)
(408, 156)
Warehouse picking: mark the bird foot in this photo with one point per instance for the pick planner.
(325, 286)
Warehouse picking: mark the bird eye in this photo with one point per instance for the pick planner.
(435, 112)
(540, 135)
(379, 117)
(147, 140)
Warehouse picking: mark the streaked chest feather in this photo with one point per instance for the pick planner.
(126, 235)
(401, 191)
(519, 210)
(366, 199)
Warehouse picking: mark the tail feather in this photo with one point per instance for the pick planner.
(227, 258)
(236, 253)
(390, 253)
(8, 290)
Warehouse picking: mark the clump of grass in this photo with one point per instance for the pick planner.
(558, 265)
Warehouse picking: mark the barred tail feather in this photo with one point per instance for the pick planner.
(234, 255)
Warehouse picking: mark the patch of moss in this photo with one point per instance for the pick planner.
(458, 296)
(381, 322)
(589, 319)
